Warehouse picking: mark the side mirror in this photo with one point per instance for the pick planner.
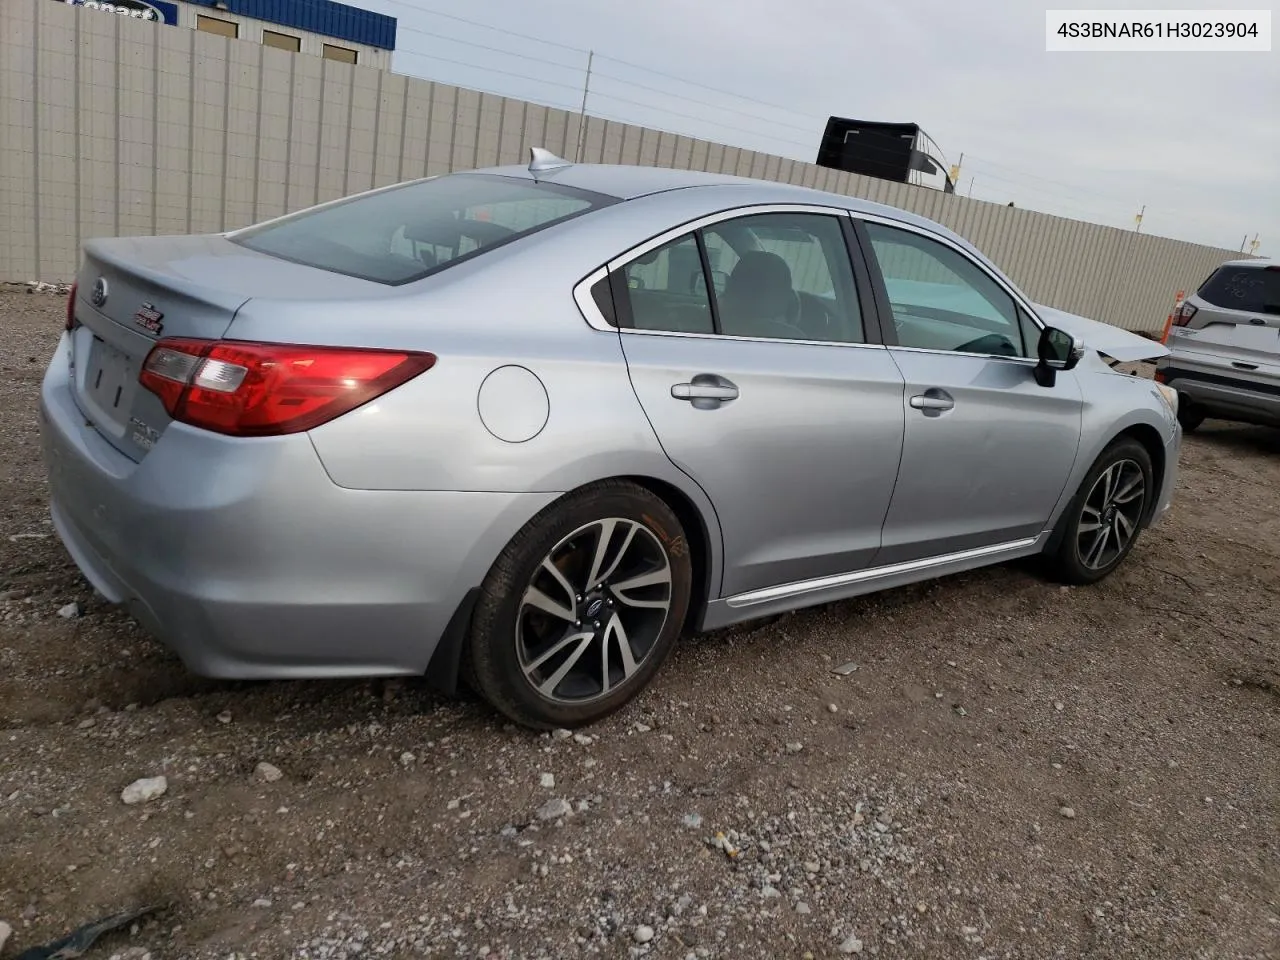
(1057, 350)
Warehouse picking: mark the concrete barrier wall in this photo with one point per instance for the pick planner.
(112, 126)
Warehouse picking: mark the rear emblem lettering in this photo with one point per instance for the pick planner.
(99, 294)
(148, 318)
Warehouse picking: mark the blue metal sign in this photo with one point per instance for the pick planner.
(157, 11)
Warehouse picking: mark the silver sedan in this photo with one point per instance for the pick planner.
(527, 426)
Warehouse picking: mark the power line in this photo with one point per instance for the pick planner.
(505, 73)
(506, 53)
(704, 103)
(483, 26)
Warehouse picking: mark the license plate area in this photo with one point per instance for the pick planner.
(109, 380)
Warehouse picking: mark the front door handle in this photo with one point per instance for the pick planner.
(706, 391)
(933, 402)
(1240, 365)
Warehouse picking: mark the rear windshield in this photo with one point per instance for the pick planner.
(1253, 289)
(407, 232)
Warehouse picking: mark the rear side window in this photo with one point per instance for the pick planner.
(1248, 288)
(405, 233)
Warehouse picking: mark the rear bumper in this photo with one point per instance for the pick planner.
(249, 562)
(1223, 395)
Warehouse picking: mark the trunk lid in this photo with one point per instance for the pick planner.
(132, 291)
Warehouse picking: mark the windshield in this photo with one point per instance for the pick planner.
(404, 233)
(1252, 289)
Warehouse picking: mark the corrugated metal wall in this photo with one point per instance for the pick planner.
(114, 126)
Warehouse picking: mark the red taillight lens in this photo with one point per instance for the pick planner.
(71, 308)
(268, 389)
(1182, 316)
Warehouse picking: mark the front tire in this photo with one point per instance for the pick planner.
(579, 611)
(1102, 522)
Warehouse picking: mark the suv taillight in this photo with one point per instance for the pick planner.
(71, 309)
(267, 389)
(1182, 316)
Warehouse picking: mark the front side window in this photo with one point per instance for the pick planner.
(942, 300)
(407, 232)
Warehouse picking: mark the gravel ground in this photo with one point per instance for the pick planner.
(1014, 770)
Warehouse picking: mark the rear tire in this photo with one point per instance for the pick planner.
(1189, 416)
(1103, 520)
(581, 608)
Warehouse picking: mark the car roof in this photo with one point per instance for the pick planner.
(631, 182)
(1252, 262)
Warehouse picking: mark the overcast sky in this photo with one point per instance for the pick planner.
(1094, 136)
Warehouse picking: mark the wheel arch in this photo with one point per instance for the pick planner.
(1153, 443)
(702, 531)
(697, 532)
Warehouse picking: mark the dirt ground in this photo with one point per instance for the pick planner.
(1015, 770)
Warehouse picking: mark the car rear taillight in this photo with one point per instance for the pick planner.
(71, 309)
(267, 389)
(1182, 316)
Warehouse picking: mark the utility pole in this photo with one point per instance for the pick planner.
(582, 114)
(971, 186)
(1137, 221)
(1243, 241)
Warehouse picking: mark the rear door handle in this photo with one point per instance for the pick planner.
(1244, 366)
(706, 390)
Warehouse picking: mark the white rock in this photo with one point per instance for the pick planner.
(1067, 812)
(643, 728)
(845, 669)
(224, 716)
(583, 740)
(554, 809)
(144, 790)
(794, 747)
(70, 611)
(562, 734)
(812, 866)
(268, 772)
(262, 903)
(548, 781)
(643, 934)
(832, 708)
(407, 758)
(6, 932)
(851, 946)
(802, 908)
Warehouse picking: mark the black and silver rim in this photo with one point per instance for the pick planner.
(1111, 515)
(593, 611)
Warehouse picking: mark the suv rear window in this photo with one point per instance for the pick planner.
(407, 232)
(1249, 288)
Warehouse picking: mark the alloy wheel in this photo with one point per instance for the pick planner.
(593, 610)
(1111, 514)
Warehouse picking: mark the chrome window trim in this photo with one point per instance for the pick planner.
(595, 319)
